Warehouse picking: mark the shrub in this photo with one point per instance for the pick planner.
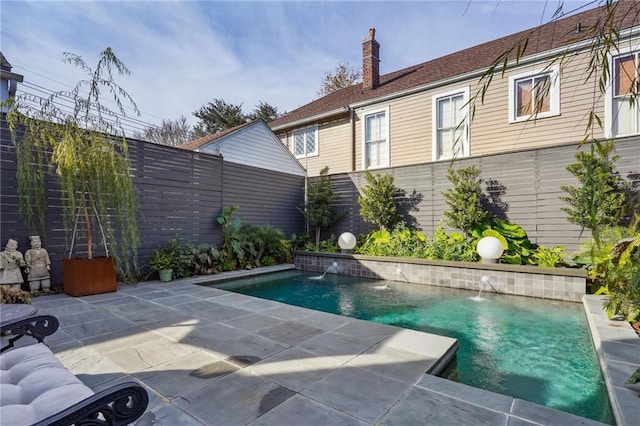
(377, 202)
(452, 246)
(599, 200)
(400, 242)
(464, 199)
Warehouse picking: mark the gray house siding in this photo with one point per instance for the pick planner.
(255, 145)
(525, 185)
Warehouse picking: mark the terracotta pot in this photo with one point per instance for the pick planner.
(82, 277)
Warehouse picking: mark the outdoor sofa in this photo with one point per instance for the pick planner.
(36, 389)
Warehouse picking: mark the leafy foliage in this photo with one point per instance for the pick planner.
(517, 246)
(344, 76)
(464, 199)
(170, 132)
(549, 257)
(453, 246)
(400, 242)
(86, 151)
(613, 263)
(232, 251)
(599, 199)
(319, 207)
(377, 202)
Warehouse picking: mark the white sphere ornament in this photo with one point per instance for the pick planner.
(490, 249)
(347, 241)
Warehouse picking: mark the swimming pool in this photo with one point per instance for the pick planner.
(531, 349)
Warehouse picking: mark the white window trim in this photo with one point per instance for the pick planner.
(608, 93)
(554, 110)
(293, 142)
(364, 136)
(434, 122)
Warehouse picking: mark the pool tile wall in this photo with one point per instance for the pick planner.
(545, 283)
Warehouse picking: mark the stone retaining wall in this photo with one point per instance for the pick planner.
(544, 283)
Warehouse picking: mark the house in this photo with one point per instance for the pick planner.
(421, 114)
(251, 144)
(8, 81)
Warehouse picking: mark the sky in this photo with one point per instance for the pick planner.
(183, 54)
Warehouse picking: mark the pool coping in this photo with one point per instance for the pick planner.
(618, 349)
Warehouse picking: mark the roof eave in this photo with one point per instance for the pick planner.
(311, 119)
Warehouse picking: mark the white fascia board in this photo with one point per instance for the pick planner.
(311, 119)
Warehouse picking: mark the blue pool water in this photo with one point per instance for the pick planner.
(532, 349)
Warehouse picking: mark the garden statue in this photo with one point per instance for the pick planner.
(11, 261)
(39, 265)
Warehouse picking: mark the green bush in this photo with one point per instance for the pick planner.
(377, 202)
(548, 257)
(452, 246)
(400, 242)
(464, 199)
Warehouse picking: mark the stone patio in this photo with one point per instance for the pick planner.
(212, 357)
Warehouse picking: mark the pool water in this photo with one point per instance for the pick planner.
(532, 349)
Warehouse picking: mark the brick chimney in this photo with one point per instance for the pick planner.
(370, 61)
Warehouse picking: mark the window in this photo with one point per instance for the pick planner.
(376, 139)
(305, 142)
(621, 113)
(451, 125)
(534, 94)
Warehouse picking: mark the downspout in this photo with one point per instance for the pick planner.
(353, 140)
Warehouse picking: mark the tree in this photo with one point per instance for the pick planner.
(170, 132)
(265, 111)
(318, 210)
(464, 199)
(217, 116)
(344, 76)
(600, 198)
(377, 202)
(84, 149)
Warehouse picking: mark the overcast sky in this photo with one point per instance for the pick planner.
(184, 54)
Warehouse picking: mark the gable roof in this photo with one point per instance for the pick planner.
(543, 38)
(195, 144)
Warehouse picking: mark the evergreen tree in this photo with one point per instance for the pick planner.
(217, 116)
(318, 210)
(265, 111)
(600, 198)
(377, 202)
(464, 199)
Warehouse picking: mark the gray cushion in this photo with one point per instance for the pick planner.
(34, 385)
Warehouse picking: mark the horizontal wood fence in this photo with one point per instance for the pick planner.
(179, 193)
(523, 188)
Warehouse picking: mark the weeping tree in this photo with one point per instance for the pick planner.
(83, 148)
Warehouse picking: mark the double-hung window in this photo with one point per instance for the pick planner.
(376, 139)
(620, 111)
(534, 94)
(450, 124)
(305, 142)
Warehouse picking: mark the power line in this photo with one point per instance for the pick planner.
(72, 87)
(34, 95)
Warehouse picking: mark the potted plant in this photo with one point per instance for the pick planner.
(82, 148)
(162, 262)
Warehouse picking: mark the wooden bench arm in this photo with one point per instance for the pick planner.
(119, 405)
(37, 326)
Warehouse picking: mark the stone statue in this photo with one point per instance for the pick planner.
(11, 261)
(38, 265)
